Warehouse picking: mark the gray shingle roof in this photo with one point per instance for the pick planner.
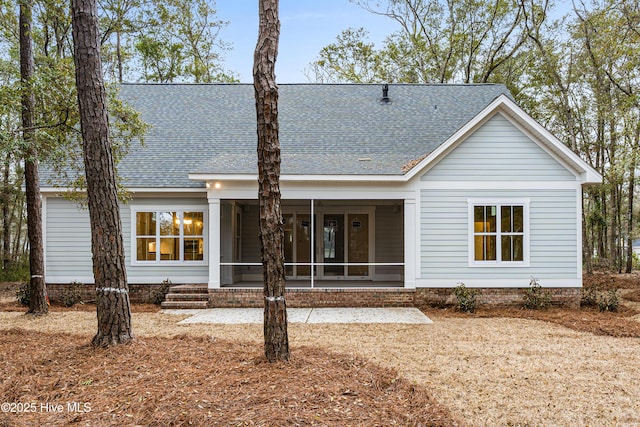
(324, 128)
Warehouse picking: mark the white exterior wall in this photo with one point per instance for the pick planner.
(499, 161)
(68, 244)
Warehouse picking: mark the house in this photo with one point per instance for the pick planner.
(391, 194)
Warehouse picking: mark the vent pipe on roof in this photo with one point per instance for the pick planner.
(385, 94)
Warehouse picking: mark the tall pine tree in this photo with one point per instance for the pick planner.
(276, 339)
(112, 291)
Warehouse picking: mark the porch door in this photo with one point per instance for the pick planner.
(345, 239)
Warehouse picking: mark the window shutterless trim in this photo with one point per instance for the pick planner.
(498, 203)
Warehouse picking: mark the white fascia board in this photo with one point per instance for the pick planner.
(135, 190)
(300, 178)
(504, 104)
(59, 191)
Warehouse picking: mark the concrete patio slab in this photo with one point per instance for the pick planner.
(306, 315)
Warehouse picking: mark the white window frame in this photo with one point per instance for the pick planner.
(180, 211)
(472, 203)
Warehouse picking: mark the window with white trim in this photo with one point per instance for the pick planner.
(498, 232)
(169, 235)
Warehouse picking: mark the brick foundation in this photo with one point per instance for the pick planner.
(139, 293)
(495, 297)
(301, 298)
(353, 297)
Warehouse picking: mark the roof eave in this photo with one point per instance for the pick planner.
(298, 178)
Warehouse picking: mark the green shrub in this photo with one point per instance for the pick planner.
(609, 301)
(158, 294)
(466, 298)
(536, 298)
(589, 296)
(72, 294)
(23, 295)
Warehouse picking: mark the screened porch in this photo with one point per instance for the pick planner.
(328, 243)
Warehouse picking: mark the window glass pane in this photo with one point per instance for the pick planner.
(506, 248)
(478, 219)
(505, 219)
(491, 219)
(193, 249)
(518, 219)
(146, 249)
(169, 249)
(478, 248)
(145, 223)
(193, 223)
(518, 245)
(490, 248)
(485, 248)
(169, 224)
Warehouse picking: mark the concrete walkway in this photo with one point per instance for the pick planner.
(306, 315)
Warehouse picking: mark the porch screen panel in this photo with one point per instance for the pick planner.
(288, 243)
(303, 244)
(333, 237)
(358, 237)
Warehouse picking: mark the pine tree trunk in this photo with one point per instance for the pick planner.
(37, 288)
(112, 291)
(276, 340)
(587, 251)
(6, 224)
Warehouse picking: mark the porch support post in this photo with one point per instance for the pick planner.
(410, 242)
(214, 242)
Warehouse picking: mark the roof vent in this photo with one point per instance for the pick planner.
(385, 94)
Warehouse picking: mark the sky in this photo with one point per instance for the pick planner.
(306, 26)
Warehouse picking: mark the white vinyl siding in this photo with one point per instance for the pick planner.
(498, 151)
(67, 242)
(444, 235)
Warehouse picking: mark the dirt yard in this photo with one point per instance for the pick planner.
(499, 367)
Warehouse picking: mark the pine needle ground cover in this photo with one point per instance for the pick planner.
(58, 379)
(494, 367)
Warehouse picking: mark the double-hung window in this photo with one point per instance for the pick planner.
(168, 235)
(499, 232)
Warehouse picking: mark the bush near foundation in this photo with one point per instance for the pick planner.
(72, 294)
(536, 298)
(158, 294)
(609, 301)
(466, 298)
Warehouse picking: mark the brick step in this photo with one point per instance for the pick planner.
(188, 289)
(184, 304)
(186, 297)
